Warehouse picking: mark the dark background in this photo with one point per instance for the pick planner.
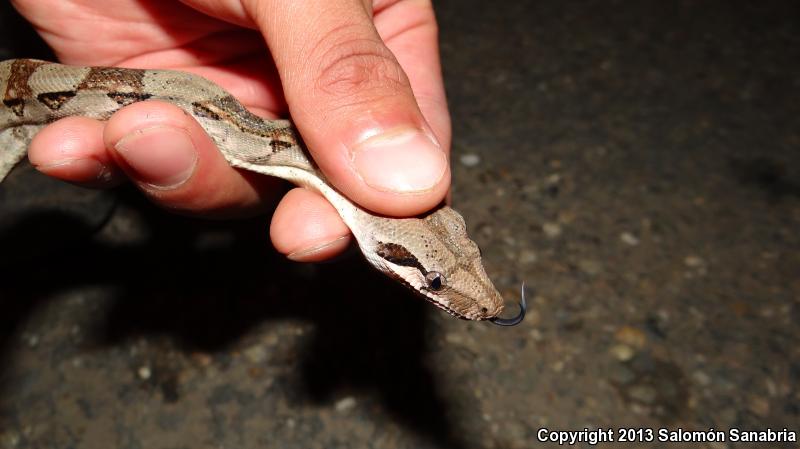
(637, 163)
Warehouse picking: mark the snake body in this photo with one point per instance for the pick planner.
(431, 254)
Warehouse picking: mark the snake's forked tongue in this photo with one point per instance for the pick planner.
(523, 307)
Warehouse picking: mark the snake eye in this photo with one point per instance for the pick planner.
(435, 280)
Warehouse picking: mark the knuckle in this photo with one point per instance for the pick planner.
(358, 67)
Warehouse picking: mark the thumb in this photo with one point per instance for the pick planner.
(353, 105)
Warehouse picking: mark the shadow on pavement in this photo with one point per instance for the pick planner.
(369, 333)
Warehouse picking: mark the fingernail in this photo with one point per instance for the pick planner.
(78, 170)
(164, 157)
(310, 253)
(402, 160)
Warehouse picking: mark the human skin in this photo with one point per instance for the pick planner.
(361, 80)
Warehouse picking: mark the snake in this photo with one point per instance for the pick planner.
(430, 253)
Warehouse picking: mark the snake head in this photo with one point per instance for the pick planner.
(434, 256)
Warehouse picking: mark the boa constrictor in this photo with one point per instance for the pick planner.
(431, 254)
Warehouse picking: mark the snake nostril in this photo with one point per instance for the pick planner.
(484, 310)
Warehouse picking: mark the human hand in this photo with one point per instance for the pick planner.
(361, 80)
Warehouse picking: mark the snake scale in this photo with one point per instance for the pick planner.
(431, 254)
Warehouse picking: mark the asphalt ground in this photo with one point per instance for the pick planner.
(636, 163)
